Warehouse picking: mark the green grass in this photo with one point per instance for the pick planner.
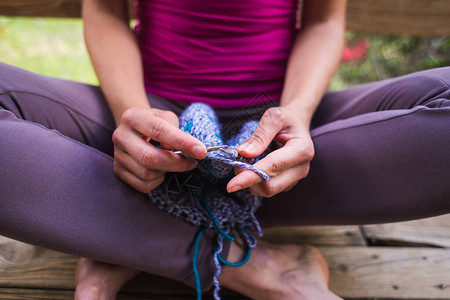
(53, 47)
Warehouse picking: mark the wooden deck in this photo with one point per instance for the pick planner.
(408, 260)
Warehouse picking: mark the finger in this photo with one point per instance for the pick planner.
(290, 187)
(238, 170)
(270, 124)
(243, 180)
(166, 147)
(137, 183)
(273, 164)
(150, 125)
(150, 157)
(143, 173)
(282, 182)
(169, 116)
(280, 160)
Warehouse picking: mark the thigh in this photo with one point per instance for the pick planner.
(76, 110)
(404, 92)
(384, 156)
(61, 193)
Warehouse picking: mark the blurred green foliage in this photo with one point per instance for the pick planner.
(391, 56)
(55, 47)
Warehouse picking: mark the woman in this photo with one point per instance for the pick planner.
(380, 150)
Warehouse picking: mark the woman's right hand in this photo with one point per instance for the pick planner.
(138, 162)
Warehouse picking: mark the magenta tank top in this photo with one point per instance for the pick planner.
(230, 53)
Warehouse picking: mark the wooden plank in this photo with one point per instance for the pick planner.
(20, 262)
(46, 8)
(408, 17)
(41, 8)
(431, 231)
(316, 235)
(389, 272)
(384, 272)
(403, 17)
(36, 294)
(29, 267)
(23, 265)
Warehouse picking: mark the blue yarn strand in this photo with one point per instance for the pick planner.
(228, 236)
(238, 264)
(215, 223)
(243, 261)
(198, 284)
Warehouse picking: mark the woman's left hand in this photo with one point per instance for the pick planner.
(286, 165)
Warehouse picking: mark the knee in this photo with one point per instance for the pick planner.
(440, 75)
(10, 78)
(428, 88)
(14, 83)
(434, 82)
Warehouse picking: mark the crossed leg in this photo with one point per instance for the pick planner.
(381, 155)
(59, 191)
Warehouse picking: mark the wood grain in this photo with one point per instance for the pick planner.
(402, 17)
(389, 272)
(407, 17)
(316, 235)
(41, 8)
(34, 294)
(37, 294)
(20, 262)
(23, 265)
(356, 272)
(431, 231)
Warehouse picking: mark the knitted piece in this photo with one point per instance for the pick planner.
(200, 197)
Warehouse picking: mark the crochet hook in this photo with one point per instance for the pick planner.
(208, 148)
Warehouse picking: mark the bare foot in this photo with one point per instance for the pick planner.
(279, 272)
(274, 272)
(100, 281)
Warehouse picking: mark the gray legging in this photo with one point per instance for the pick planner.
(382, 154)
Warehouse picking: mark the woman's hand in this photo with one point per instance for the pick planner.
(286, 165)
(142, 165)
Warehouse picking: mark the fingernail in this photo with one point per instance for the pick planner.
(235, 189)
(199, 151)
(194, 164)
(246, 147)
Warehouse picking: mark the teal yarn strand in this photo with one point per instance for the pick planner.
(198, 284)
(220, 258)
(243, 261)
(237, 264)
(227, 236)
(216, 225)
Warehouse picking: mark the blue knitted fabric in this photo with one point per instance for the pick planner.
(199, 196)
